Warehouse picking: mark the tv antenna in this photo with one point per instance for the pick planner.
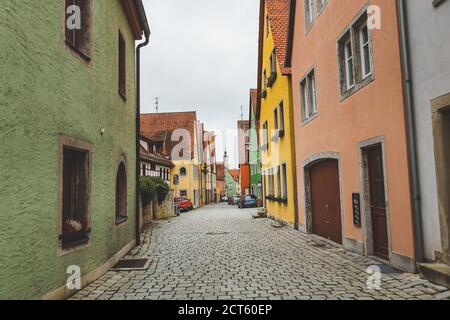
(157, 104)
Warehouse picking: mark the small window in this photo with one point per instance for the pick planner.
(308, 96)
(275, 119)
(273, 62)
(279, 188)
(272, 183)
(121, 194)
(183, 172)
(77, 26)
(265, 79)
(355, 57)
(265, 136)
(75, 197)
(281, 119)
(284, 181)
(122, 67)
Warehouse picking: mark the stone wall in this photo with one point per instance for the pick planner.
(156, 211)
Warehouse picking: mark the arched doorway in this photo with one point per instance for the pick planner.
(325, 202)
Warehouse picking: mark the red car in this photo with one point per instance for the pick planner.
(184, 203)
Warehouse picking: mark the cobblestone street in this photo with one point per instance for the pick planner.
(221, 252)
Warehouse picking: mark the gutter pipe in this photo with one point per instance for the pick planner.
(147, 33)
(410, 129)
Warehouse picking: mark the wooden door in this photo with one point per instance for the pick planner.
(378, 202)
(325, 200)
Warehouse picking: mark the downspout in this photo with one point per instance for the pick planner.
(138, 119)
(410, 129)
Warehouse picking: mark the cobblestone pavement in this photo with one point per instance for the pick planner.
(220, 252)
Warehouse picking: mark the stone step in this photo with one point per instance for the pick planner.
(436, 273)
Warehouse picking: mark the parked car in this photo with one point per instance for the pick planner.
(225, 199)
(184, 203)
(248, 202)
(236, 200)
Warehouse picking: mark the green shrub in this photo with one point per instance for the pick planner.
(150, 187)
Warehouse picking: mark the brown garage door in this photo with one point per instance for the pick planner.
(325, 200)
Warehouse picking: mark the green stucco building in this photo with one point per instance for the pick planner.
(230, 184)
(68, 146)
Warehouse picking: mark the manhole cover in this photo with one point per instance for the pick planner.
(131, 264)
(217, 233)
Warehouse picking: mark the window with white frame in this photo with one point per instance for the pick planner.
(309, 12)
(321, 4)
(355, 57)
(279, 188)
(309, 96)
(364, 43)
(349, 67)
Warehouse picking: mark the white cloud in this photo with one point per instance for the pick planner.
(202, 56)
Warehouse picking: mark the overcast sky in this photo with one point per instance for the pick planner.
(202, 57)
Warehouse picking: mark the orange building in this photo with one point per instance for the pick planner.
(244, 179)
(351, 150)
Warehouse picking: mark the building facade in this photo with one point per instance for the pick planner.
(178, 136)
(274, 113)
(351, 146)
(154, 164)
(425, 25)
(69, 200)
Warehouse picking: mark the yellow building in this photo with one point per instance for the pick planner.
(275, 114)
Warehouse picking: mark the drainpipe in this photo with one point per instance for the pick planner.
(410, 129)
(138, 123)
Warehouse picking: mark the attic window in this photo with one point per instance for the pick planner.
(77, 26)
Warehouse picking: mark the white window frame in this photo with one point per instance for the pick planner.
(309, 13)
(349, 59)
(365, 46)
(308, 90)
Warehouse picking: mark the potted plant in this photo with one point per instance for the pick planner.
(74, 230)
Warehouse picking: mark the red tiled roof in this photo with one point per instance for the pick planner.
(278, 11)
(160, 126)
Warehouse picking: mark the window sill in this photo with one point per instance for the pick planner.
(310, 119)
(86, 57)
(358, 86)
(74, 245)
(121, 221)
